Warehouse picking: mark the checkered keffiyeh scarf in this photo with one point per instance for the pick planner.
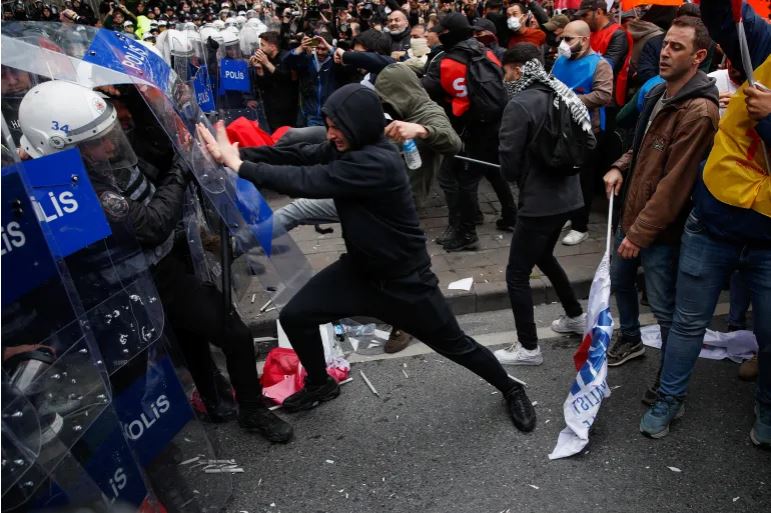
(532, 72)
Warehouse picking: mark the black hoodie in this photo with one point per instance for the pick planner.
(368, 183)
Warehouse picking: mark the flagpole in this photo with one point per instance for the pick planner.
(610, 225)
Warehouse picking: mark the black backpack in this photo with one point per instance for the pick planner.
(484, 83)
(561, 146)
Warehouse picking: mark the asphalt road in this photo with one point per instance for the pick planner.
(439, 441)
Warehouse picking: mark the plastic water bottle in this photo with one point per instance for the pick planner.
(411, 154)
(354, 329)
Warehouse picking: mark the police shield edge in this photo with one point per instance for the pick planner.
(104, 348)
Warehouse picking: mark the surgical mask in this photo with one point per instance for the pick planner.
(565, 50)
(513, 24)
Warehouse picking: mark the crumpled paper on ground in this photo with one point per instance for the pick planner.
(736, 346)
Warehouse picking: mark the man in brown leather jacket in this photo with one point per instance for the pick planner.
(655, 179)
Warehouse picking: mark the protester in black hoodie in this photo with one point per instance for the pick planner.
(386, 271)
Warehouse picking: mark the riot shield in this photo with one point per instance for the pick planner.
(54, 383)
(114, 337)
(274, 257)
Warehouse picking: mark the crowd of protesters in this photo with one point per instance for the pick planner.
(479, 80)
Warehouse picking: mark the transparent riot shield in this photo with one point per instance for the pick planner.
(113, 59)
(116, 338)
(54, 386)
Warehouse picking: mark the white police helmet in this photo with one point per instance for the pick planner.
(58, 115)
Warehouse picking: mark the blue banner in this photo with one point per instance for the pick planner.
(203, 91)
(66, 201)
(256, 212)
(26, 261)
(234, 75)
(114, 51)
(153, 410)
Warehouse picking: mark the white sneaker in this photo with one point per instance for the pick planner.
(573, 237)
(567, 324)
(515, 354)
(567, 225)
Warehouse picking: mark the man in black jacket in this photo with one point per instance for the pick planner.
(445, 82)
(275, 81)
(386, 272)
(545, 200)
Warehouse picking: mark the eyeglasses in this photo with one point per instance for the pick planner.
(571, 38)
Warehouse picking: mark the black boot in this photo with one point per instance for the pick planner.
(257, 418)
(312, 395)
(462, 240)
(446, 236)
(520, 409)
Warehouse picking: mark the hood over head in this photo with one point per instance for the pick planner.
(399, 86)
(357, 112)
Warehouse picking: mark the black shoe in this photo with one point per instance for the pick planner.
(224, 390)
(446, 236)
(218, 411)
(624, 349)
(506, 225)
(311, 396)
(259, 419)
(462, 242)
(520, 409)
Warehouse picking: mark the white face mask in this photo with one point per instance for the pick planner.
(513, 24)
(564, 50)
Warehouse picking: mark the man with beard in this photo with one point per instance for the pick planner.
(399, 30)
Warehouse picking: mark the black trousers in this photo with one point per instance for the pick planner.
(533, 244)
(414, 303)
(197, 316)
(460, 180)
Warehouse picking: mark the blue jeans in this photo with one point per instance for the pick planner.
(705, 265)
(740, 302)
(659, 261)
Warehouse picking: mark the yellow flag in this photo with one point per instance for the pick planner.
(737, 172)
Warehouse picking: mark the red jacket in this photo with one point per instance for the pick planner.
(599, 42)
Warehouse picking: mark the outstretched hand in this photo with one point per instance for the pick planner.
(220, 148)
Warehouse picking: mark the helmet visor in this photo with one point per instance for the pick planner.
(108, 151)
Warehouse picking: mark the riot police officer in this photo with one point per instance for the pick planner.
(58, 115)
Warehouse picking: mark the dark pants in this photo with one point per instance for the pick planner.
(460, 180)
(414, 303)
(608, 150)
(533, 244)
(196, 313)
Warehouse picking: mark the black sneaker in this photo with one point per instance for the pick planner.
(624, 349)
(462, 242)
(259, 419)
(520, 409)
(311, 396)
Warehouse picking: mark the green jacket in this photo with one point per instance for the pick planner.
(400, 89)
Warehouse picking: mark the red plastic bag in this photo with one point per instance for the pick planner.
(280, 363)
(284, 375)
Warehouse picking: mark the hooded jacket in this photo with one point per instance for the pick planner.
(663, 163)
(368, 183)
(406, 100)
